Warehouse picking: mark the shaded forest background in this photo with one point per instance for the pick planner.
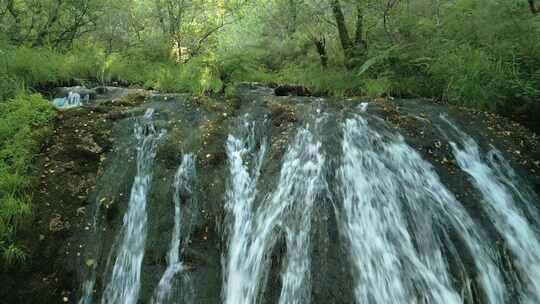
(482, 54)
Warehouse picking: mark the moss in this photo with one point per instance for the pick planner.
(170, 150)
(213, 134)
(132, 99)
(210, 104)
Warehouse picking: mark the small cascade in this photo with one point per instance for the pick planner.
(240, 279)
(394, 212)
(71, 101)
(88, 289)
(125, 280)
(288, 207)
(300, 187)
(183, 181)
(505, 203)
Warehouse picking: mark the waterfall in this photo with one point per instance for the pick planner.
(393, 208)
(288, 207)
(71, 101)
(125, 281)
(183, 181)
(397, 234)
(240, 280)
(503, 203)
(300, 188)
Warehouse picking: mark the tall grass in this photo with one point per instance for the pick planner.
(24, 122)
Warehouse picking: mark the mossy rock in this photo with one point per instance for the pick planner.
(170, 150)
(281, 113)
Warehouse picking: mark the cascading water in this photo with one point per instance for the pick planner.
(71, 101)
(381, 246)
(408, 238)
(503, 203)
(253, 229)
(125, 281)
(240, 286)
(383, 182)
(301, 189)
(183, 180)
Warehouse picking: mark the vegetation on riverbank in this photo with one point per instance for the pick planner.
(23, 125)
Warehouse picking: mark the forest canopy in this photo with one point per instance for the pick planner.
(481, 53)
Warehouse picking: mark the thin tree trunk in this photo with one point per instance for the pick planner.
(360, 45)
(344, 38)
(532, 7)
(320, 44)
(354, 51)
(358, 40)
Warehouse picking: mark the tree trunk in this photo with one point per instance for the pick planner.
(344, 38)
(532, 7)
(354, 51)
(360, 45)
(320, 44)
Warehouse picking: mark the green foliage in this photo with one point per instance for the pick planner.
(335, 82)
(14, 255)
(23, 120)
(199, 75)
(26, 67)
(377, 87)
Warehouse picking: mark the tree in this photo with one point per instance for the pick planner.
(354, 50)
(190, 24)
(51, 22)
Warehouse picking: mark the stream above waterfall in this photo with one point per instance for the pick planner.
(294, 200)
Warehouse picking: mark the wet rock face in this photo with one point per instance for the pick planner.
(69, 167)
(90, 162)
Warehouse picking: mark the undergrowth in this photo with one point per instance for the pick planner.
(24, 123)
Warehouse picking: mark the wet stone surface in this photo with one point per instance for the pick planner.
(89, 164)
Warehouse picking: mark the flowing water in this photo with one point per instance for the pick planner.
(504, 203)
(183, 181)
(73, 100)
(301, 201)
(243, 270)
(124, 284)
(395, 213)
(253, 228)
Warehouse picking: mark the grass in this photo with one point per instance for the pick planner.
(24, 122)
